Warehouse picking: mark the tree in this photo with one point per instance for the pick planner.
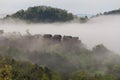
(5, 70)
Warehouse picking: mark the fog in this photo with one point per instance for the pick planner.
(103, 29)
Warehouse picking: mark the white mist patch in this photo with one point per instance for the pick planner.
(104, 29)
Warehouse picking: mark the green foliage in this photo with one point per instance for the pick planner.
(79, 75)
(56, 76)
(5, 70)
(61, 60)
(43, 14)
(45, 77)
(15, 70)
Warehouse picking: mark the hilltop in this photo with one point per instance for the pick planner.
(113, 12)
(42, 14)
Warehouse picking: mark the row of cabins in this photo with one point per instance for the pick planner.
(61, 38)
(55, 38)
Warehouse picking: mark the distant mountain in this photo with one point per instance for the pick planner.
(113, 12)
(42, 14)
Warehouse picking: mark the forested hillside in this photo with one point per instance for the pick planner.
(11, 69)
(56, 57)
(42, 14)
(113, 12)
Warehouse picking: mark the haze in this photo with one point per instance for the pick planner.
(101, 30)
(74, 6)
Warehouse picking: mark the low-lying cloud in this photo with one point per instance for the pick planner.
(104, 29)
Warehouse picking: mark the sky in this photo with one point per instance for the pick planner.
(74, 6)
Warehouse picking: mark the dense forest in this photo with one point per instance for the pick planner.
(55, 57)
(42, 14)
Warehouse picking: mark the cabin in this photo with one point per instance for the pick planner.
(75, 38)
(57, 37)
(47, 36)
(60, 38)
(67, 38)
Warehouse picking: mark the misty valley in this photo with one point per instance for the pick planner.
(55, 57)
(46, 43)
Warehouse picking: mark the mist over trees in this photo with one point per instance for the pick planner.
(56, 57)
(53, 57)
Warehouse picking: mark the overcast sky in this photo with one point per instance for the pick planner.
(74, 6)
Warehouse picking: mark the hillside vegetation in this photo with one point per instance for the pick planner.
(56, 57)
(113, 12)
(42, 14)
